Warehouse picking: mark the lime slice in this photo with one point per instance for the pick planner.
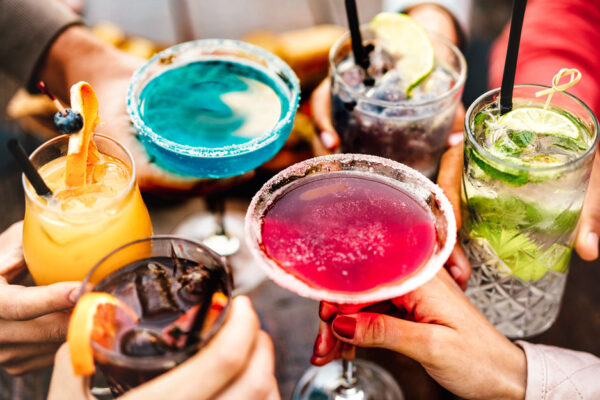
(537, 120)
(405, 39)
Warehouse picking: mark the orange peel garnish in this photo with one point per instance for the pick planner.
(82, 152)
(83, 328)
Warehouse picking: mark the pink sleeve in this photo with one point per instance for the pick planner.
(558, 374)
(556, 34)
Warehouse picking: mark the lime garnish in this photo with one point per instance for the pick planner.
(534, 119)
(406, 40)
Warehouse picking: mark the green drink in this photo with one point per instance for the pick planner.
(524, 182)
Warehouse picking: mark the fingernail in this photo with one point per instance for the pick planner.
(317, 345)
(74, 295)
(592, 240)
(329, 140)
(321, 309)
(456, 272)
(345, 326)
(313, 359)
(455, 138)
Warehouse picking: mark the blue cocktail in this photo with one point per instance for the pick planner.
(213, 108)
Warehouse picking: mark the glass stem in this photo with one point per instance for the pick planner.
(216, 205)
(349, 373)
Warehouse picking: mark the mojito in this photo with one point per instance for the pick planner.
(524, 181)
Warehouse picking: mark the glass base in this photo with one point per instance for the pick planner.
(326, 383)
(247, 274)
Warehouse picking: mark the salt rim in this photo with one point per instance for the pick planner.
(281, 71)
(290, 282)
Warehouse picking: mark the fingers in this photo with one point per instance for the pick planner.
(224, 358)
(459, 266)
(30, 365)
(450, 178)
(50, 328)
(320, 108)
(327, 310)
(12, 263)
(15, 354)
(64, 384)
(257, 380)
(586, 243)
(24, 303)
(379, 330)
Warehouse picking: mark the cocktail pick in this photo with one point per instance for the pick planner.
(361, 57)
(512, 52)
(28, 168)
(556, 87)
(42, 88)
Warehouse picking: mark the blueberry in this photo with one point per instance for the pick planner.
(70, 123)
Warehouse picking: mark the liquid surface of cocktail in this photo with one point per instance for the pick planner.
(177, 302)
(66, 235)
(523, 190)
(348, 232)
(383, 111)
(214, 103)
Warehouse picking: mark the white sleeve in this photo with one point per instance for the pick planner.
(460, 9)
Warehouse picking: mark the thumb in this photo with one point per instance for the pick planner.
(586, 242)
(383, 331)
(320, 109)
(24, 303)
(64, 383)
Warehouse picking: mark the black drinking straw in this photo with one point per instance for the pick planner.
(28, 169)
(360, 55)
(512, 52)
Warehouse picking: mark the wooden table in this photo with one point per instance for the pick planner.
(292, 321)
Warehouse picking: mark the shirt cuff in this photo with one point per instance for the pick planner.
(27, 29)
(460, 10)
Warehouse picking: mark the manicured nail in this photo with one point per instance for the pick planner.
(344, 326)
(74, 295)
(329, 140)
(317, 345)
(313, 359)
(592, 239)
(455, 138)
(456, 272)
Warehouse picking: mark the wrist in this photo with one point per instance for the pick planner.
(512, 379)
(436, 19)
(78, 55)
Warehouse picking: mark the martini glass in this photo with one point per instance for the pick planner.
(352, 230)
(213, 108)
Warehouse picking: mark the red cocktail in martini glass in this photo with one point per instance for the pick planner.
(350, 229)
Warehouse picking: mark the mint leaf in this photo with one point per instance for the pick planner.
(521, 138)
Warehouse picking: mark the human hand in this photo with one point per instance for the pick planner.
(586, 242)
(238, 363)
(77, 55)
(440, 329)
(33, 321)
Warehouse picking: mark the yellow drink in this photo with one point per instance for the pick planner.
(66, 235)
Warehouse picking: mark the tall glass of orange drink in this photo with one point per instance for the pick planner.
(65, 235)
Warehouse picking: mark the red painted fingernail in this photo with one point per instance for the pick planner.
(344, 326)
(313, 359)
(317, 345)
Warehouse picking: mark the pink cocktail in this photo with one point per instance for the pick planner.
(350, 229)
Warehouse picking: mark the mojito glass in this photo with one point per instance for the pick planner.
(373, 115)
(524, 181)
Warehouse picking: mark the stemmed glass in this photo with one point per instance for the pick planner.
(180, 155)
(352, 379)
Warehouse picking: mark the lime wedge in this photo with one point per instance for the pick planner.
(406, 40)
(537, 120)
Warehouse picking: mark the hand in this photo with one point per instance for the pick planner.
(586, 243)
(443, 331)
(33, 321)
(77, 55)
(238, 363)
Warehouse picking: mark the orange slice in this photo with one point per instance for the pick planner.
(218, 303)
(95, 317)
(82, 150)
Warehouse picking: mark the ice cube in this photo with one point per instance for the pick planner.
(390, 87)
(154, 290)
(196, 282)
(380, 62)
(141, 342)
(128, 294)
